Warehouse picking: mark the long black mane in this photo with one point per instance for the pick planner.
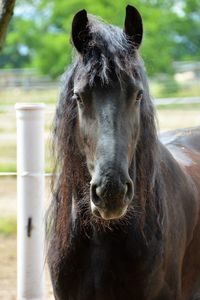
(109, 52)
(150, 249)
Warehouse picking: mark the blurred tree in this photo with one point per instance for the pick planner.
(40, 32)
(6, 12)
(187, 31)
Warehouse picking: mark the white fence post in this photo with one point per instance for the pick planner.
(30, 194)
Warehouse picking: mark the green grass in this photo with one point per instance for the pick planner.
(19, 95)
(8, 161)
(8, 226)
(172, 89)
(8, 167)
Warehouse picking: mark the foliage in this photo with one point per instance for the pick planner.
(187, 32)
(40, 33)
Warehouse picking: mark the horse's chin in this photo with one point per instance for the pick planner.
(107, 214)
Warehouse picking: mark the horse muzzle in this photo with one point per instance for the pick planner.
(110, 197)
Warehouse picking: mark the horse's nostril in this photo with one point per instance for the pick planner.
(129, 191)
(95, 197)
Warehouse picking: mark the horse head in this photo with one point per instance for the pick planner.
(109, 92)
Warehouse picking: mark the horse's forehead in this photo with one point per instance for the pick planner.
(80, 82)
(83, 81)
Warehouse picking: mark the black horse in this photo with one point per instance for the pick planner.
(125, 215)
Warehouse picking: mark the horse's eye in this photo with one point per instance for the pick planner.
(77, 97)
(139, 95)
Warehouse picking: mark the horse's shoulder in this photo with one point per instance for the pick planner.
(183, 144)
(183, 137)
(188, 137)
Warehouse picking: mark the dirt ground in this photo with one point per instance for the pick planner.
(8, 270)
(181, 118)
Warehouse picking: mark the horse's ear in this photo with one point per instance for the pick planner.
(133, 27)
(80, 31)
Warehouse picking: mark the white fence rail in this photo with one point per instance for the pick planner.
(183, 100)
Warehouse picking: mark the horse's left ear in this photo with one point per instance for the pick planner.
(80, 30)
(133, 27)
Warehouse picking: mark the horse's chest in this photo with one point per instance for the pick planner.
(105, 273)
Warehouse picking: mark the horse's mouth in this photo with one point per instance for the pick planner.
(107, 214)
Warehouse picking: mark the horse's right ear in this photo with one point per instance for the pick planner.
(80, 30)
(133, 27)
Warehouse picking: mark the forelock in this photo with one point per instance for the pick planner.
(108, 53)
